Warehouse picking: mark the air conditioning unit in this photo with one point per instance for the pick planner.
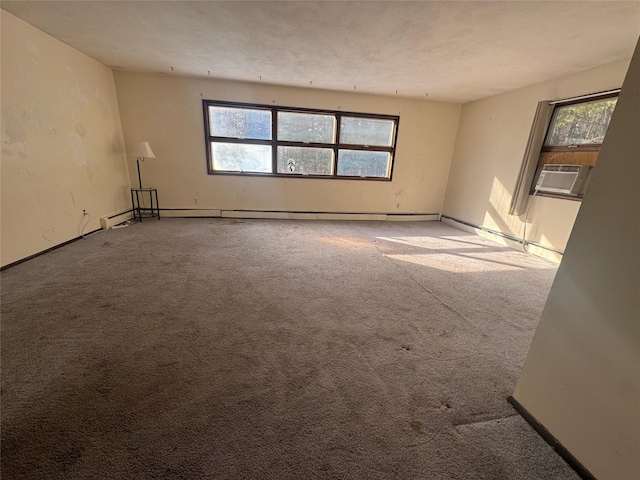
(564, 179)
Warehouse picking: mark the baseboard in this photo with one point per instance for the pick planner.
(190, 212)
(105, 223)
(543, 251)
(546, 435)
(298, 215)
(121, 217)
(55, 247)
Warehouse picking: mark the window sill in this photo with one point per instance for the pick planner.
(286, 175)
(559, 196)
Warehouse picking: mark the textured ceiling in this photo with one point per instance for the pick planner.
(454, 51)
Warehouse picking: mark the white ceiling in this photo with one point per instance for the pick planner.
(454, 51)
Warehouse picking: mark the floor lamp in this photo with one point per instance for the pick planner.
(142, 151)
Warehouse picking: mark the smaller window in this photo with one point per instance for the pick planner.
(366, 131)
(238, 157)
(573, 139)
(305, 160)
(306, 127)
(363, 163)
(240, 123)
(581, 124)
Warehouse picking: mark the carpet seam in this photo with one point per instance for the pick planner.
(422, 287)
(466, 424)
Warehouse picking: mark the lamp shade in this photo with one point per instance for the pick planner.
(143, 150)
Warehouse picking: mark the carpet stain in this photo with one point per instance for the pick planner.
(68, 456)
(416, 426)
(104, 390)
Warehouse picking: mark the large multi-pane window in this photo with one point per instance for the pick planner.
(293, 142)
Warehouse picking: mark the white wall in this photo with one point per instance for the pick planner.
(167, 112)
(581, 378)
(62, 145)
(492, 138)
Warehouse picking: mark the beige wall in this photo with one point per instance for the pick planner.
(581, 378)
(62, 145)
(490, 145)
(167, 112)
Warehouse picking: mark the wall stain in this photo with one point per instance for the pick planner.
(77, 147)
(79, 95)
(14, 126)
(33, 48)
(80, 130)
(48, 231)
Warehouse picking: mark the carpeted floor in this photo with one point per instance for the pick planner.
(265, 349)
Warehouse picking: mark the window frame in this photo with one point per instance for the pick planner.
(571, 149)
(274, 143)
(530, 166)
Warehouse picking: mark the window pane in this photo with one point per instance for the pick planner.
(305, 161)
(237, 157)
(240, 123)
(361, 163)
(366, 131)
(581, 123)
(306, 127)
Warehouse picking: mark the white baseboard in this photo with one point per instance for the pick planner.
(190, 212)
(427, 217)
(329, 216)
(107, 222)
(272, 215)
(285, 215)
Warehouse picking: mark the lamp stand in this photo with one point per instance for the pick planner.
(139, 178)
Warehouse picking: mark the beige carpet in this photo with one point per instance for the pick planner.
(233, 349)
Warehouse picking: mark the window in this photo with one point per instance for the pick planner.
(580, 125)
(245, 139)
(573, 139)
(567, 132)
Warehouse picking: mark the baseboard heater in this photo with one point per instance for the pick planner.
(512, 238)
(115, 219)
(297, 215)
